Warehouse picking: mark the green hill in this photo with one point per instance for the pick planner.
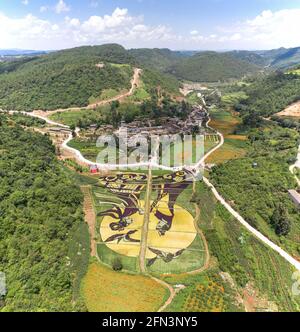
(41, 225)
(289, 58)
(64, 79)
(212, 67)
(73, 77)
(249, 56)
(202, 66)
(280, 58)
(271, 94)
(158, 59)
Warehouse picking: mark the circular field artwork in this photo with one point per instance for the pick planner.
(180, 236)
(166, 230)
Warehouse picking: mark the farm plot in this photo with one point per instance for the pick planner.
(107, 291)
(173, 245)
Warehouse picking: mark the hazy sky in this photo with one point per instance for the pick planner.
(176, 24)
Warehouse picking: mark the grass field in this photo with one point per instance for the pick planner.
(232, 149)
(223, 121)
(106, 94)
(107, 291)
(89, 149)
(294, 71)
(109, 256)
(140, 94)
(235, 146)
(232, 98)
(73, 117)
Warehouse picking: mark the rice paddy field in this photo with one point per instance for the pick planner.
(107, 291)
(176, 249)
(235, 146)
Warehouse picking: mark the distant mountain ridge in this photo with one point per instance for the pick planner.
(15, 52)
(73, 77)
(215, 66)
(70, 78)
(280, 58)
(205, 66)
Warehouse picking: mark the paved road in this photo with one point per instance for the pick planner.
(256, 233)
(152, 163)
(296, 165)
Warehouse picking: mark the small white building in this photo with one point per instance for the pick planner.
(295, 196)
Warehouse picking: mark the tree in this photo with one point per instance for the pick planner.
(117, 264)
(280, 221)
(115, 115)
(252, 120)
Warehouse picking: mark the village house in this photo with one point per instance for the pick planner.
(295, 196)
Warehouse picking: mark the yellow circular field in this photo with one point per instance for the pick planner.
(180, 236)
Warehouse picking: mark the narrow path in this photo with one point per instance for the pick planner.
(145, 228)
(251, 229)
(90, 217)
(172, 291)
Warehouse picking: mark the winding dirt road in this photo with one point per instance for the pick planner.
(135, 83)
(153, 163)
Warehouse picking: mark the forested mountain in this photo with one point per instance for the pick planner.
(250, 57)
(65, 79)
(288, 58)
(199, 66)
(74, 77)
(9, 66)
(40, 211)
(71, 78)
(20, 52)
(271, 94)
(212, 67)
(159, 59)
(280, 58)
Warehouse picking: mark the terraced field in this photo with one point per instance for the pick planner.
(235, 145)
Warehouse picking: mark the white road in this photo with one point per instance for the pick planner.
(296, 165)
(153, 163)
(255, 232)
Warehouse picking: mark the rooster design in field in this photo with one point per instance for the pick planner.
(123, 237)
(128, 189)
(167, 257)
(175, 184)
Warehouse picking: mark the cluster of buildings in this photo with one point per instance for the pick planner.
(168, 126)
